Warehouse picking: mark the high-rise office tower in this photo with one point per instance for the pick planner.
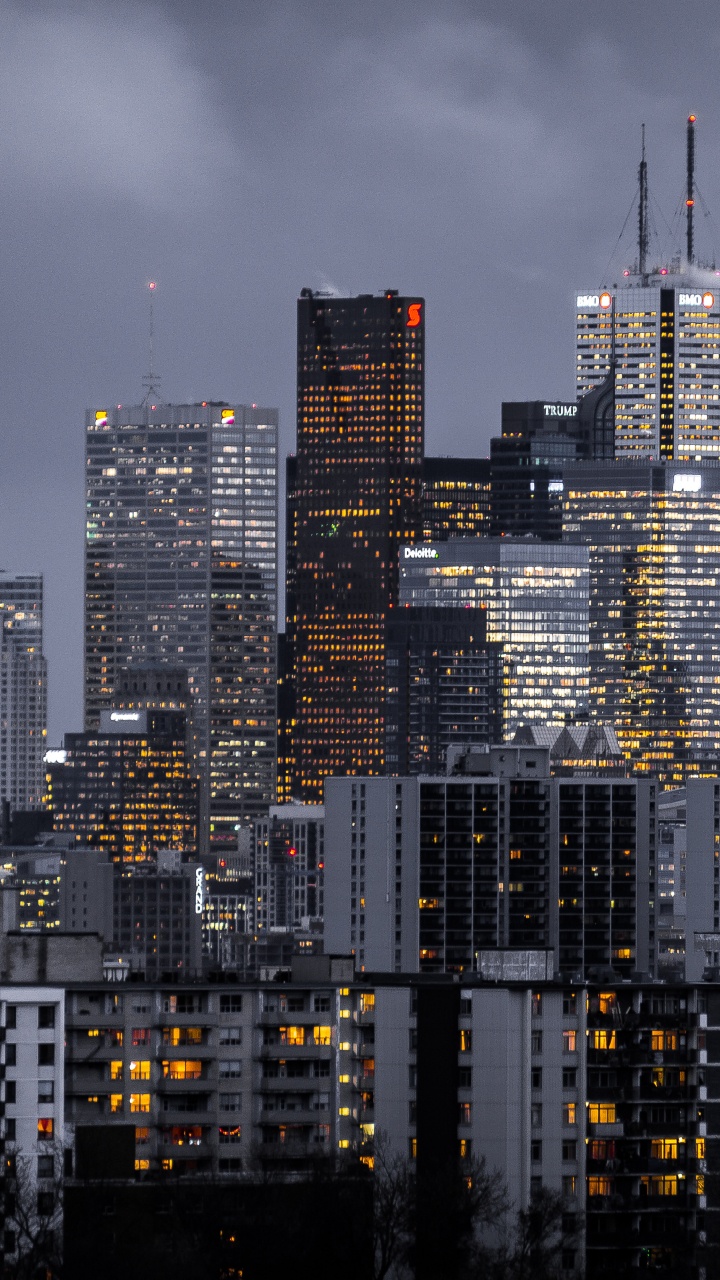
(356, 497)
(535, 596)
(663, 334)
(651, 532)
(444, 686)
(658, 334)
(181, 568)
(455, 498)
(23, 692)
(128, 787)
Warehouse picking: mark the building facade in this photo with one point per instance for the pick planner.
(651, 532)
(23, 692)
(129, 788)
(661, 332)
(181, 568)
(455, 498)
(535, 598)
(355, 497)
(427, 872)
(444, 685)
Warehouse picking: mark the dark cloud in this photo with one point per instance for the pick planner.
(480, 153)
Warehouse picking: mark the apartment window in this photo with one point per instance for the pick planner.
(464, 1078)
(229, 1070)
(292, 1035)
(231, 1003)
(465, 1040)
(140, 1036)
(569, 1150)
(11, 1016)
(536, 1042)
(569, 1185)
(230, 1102)
(46, 1167)
(116, 1069)
(45, 1203)
(229, 1133)
(569, 1113)
(322, 1035)
(599, 1186)
(569, 1078)
(537, 1003)
(569, 1041)
(46, 1016)
(46, 1091)
(536, 1151)
(116, 1102)
(142, 1136)
(10, 1091)
(182, 1069)
(139, 1101)
(9, 1130)
(230, 1035)
(536, 1078)
(601, 1112)
(46, 1055)
(465, 1113)
(570, 1003)
(140, 1070)
(321, 1004)
(603, 1039)
(10, 1055)
(536, 1115)
(465, 1148)
(45, 1130)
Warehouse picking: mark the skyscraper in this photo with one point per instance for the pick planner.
(356, 498)
(23, 692)
(651, 531)
(535, 598)
(662, 331)
(181, 568)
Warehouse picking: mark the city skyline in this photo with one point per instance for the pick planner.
(174, 169)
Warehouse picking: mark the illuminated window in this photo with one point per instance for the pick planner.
(665, 1185)
(140, 1036)
(569, 1113)
(141, 1164)
(116, 1069)
(660, 1040)
(664, 1149)
(140, 1070)
(599, 1186)
(292, 1035)
(322, 1035)
(465, 1040)
(139, 1101)
(45, 1130)
(602, 1040)
(700, 1148)
(601, 1112)
(182, 1069)
(142, 1136)
(569, 1041)
(607, 1001)
(700, 1184)
(116, 1102)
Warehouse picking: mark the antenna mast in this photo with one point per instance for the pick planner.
(643, 229)
(151, 380)
(690, 200)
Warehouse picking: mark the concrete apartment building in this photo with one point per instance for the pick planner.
(607, 1093)
(423, 873)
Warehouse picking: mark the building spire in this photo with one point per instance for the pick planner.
(690, 199)
(151, 380)
(643, 228)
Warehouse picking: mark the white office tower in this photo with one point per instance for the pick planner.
(23, 692)
(662, 333)
(659, 333)
(181, 569)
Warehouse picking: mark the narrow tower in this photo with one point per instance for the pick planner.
(643, 228)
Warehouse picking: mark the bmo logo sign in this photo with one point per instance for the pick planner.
(706, 300)
(603, 300)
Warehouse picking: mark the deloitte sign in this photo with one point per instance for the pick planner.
(421, 553)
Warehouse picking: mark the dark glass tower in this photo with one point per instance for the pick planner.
(356, 498)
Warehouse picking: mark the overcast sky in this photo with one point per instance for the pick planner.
(483, 155)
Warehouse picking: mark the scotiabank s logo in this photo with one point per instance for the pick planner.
(414, 315)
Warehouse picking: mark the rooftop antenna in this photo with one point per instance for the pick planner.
(690, 199)
(643, 221)
(151, 380)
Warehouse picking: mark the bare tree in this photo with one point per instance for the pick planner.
(33, 1214)
(393, 1201)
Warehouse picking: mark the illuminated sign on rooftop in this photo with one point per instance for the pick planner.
(420, 553)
